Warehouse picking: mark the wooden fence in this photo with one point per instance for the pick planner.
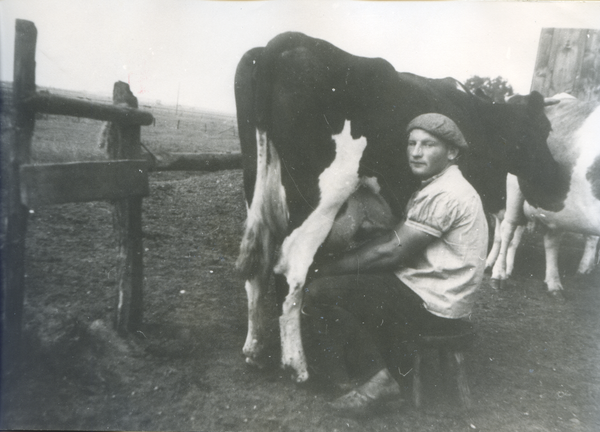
(123, 180)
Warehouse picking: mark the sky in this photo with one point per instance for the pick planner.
(186, 51)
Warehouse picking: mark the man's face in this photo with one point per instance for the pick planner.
(427, 154)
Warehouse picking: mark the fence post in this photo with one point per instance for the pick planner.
(18, 152)
(124, 143)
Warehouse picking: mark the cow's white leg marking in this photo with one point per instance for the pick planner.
(552, 245)
(266, 223)
(336, 184)
(588, 260)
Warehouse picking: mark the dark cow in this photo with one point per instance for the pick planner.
(315, 122)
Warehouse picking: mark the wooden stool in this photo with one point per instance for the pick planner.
(450, 347)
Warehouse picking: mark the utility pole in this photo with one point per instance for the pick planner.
(177, 103)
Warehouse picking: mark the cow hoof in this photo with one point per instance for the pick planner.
(301, 377)
(297, 377)
(254, 363)
(498, 284)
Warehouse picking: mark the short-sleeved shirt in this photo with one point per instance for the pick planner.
(447, 274)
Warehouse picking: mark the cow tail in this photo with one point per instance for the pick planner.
(264, 75)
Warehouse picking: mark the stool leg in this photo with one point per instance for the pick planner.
(461, 379)
(445, 359)
(417, 385)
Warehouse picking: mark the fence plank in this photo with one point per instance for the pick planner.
(82, 182)
(124, 143)
(53, 104)
(17, 152)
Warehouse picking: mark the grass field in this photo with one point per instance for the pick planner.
(187, 130)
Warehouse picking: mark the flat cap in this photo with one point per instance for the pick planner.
(440, 126)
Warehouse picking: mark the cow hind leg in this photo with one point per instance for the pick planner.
(266, 223)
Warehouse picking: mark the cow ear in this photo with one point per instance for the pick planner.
(536, 102)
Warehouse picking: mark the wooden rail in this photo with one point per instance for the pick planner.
(82, 182)
(52, 104)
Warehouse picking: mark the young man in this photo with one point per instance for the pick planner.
(422, 276)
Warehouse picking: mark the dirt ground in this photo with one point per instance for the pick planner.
(534, 366)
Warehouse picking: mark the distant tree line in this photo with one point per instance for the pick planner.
(497, 89)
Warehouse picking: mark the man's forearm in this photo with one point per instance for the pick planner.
(378, 254)
(383, 253)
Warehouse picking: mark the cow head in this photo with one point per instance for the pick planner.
(524, 134)
(540, 178)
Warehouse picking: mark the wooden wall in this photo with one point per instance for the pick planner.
(568, 60)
